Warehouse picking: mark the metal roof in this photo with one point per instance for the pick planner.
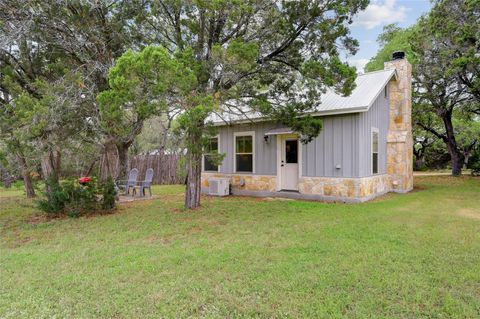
(368, 87)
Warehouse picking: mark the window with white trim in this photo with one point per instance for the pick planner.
(244, 152)
(374, 150)
(211, 150)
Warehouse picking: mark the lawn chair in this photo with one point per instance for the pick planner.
(146, 184)
(130, 183)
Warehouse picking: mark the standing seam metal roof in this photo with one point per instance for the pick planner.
(368, 87)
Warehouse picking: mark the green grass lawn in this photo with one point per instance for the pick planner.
(403, 256)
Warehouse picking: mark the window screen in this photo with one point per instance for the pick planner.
(210, 149)
(374, 152)
(244, 153)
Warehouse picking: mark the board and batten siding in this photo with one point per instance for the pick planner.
(265, 151)
(343, 148)
(378, 117)
(336, 146)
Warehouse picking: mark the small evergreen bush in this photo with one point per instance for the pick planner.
(55, 198)
(77, 197)
(108, 194)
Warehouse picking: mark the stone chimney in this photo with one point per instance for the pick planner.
(399, 139)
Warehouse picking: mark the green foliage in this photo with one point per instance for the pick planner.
(73, 199)
(182, 168)
(443, 49)
(475, 167)
(392, 39)
(56, 198)
(81, 198)
(283, 54)
(456, 25)
(108, 194)
(467, 132)
(17, 185)
(140, 85)
(240, 55)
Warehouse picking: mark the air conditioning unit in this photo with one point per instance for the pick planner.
(219, 186)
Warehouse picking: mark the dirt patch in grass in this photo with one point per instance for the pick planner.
(136, 204)
(419, 188)
(469, 213)
(42, 218)
(18, 241)
(159, 240)
(194, 230)
(102, 213)
(171, 198)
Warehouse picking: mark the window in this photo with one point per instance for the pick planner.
(291, 151)
(244, 152)
(385, 91)
(374, 151)
(210, 150)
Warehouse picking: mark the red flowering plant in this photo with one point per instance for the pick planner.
(79, 196)
(84, 180)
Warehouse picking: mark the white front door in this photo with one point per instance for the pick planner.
(289, 163)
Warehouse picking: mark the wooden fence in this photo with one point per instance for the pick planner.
(166, 168)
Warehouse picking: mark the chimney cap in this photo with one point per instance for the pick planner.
(398, 55)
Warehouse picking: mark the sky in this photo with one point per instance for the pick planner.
(369, 24)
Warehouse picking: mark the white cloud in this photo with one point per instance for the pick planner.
(380, 13)
(358, 63)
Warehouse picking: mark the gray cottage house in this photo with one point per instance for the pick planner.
(364, 149)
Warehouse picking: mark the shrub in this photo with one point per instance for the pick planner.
(108, 194)
(475, 168)
(81, 198)
(55, 199)
(77, 197)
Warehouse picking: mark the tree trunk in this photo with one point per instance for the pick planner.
(467, 153)
(51, 166)
(27, 180)
(194, 170)
(109, 161)
(122, 149)
(457, 163)
(193, 187)
(466, 157)
(455, 154)
(90, 168)
(48, 172)
(57, 163)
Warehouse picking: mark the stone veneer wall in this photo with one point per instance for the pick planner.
(400, 139)
(345, 188)
(333, 188)
(251, 182)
